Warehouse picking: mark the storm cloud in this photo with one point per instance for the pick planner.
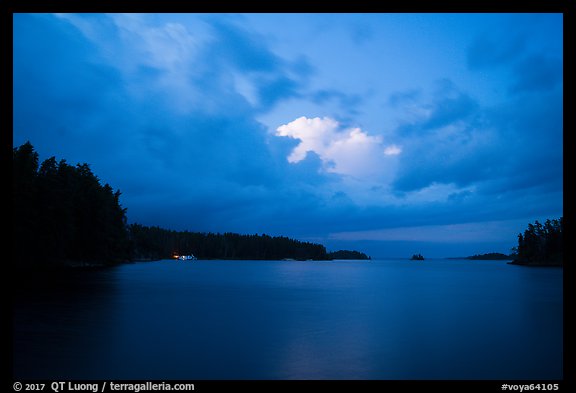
(337, 130)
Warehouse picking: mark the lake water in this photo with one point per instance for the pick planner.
(388, 319)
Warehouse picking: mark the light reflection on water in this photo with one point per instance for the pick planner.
(393, 319)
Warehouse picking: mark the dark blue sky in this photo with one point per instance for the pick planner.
(387, 133)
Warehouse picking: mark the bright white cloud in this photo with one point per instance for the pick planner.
(344, 151)
(392, 150)
(162, 96)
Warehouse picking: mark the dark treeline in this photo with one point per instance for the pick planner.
(62, 215)
(541, 244)
(347, 254)
(150, 243)
(491, 256)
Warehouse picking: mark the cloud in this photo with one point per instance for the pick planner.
(481, 155)
(146, 105)
(361, 33)
(537, 73)
(531, 127)
(529, 69)
(406, 97)
(272, 78)
(392, 150)
(446, 106)
(349, 151)
(449, 110)
(347, 102)
(486, 52)
(214, 123)
(445, 140)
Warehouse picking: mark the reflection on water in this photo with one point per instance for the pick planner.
(293, 320)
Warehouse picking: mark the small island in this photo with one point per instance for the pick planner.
(348, 254)
(417, 257)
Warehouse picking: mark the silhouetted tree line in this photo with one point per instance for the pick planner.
(541, 244)
(347, 254)
(491, 256)
(151, 243)
(63, 215)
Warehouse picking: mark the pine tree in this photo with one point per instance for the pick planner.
(62, 214)
(541, 244)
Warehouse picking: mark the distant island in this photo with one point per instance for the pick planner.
(491, 256)
(417, 257)
(347, 254)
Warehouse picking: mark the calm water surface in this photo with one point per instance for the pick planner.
(389, 319)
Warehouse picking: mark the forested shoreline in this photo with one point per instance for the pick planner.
(63, 216)
(153, 243)
(541, 244)
(491, 256)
